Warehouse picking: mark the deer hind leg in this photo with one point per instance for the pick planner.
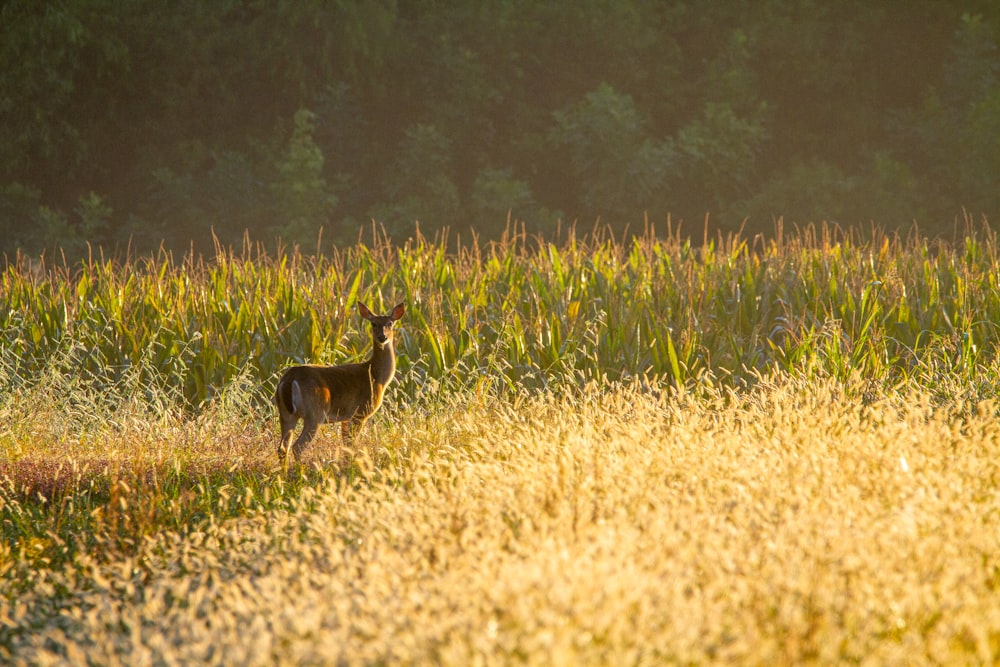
(286, 418)
(287, 431)
(309, 429)
(312, 416)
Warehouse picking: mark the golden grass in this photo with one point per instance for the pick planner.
(790, 523)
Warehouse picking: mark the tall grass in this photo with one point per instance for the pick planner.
(789, 523)
(558, 403)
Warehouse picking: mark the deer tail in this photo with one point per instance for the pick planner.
(296, 395)
(285, 395)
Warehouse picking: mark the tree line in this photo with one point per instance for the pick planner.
(156, 122)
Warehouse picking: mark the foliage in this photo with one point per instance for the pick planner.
(301, 192)
(419, 183)
(50, 56)
(519, 313)
(51, 230)
(498, 198)
(955, 134)
(607, 151)
(821, 190)
(573, 424)
(225, 191)
(189, 119)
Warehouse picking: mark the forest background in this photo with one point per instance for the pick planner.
(136, 124)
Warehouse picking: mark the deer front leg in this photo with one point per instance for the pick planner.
(349, 429)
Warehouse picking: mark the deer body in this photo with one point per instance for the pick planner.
(348, 393)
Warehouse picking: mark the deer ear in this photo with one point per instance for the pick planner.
(365, 313)
(397, 312)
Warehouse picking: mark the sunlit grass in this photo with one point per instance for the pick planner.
(594, 453)
(790, 523)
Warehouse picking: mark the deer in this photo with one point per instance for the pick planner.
(347, 393)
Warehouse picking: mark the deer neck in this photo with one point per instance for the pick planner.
(382, 365)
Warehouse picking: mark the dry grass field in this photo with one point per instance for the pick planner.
(796, 522)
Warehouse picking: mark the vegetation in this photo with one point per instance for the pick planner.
(516, 313)
(596, 451)
(146, 122)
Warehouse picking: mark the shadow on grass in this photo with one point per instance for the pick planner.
(51, 510)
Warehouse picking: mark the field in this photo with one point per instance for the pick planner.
(596, 452)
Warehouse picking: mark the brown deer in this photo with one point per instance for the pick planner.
(348, 393)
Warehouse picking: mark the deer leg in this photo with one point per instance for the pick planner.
(351, 428)
(308, 432)
(287, 431)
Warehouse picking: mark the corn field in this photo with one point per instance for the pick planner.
(523, 312)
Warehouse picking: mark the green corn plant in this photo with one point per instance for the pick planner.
(523, 310)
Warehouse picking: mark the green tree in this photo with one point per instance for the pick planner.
(302, 196)
(498, 196)
(420, 186)
(616, 169)
(220, 193)
(57, 60)
(32, 227)
(953, 138)
(719, 151)
(178, 114)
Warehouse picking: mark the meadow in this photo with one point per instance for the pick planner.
(596, 451)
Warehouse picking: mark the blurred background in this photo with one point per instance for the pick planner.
(152, 122)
